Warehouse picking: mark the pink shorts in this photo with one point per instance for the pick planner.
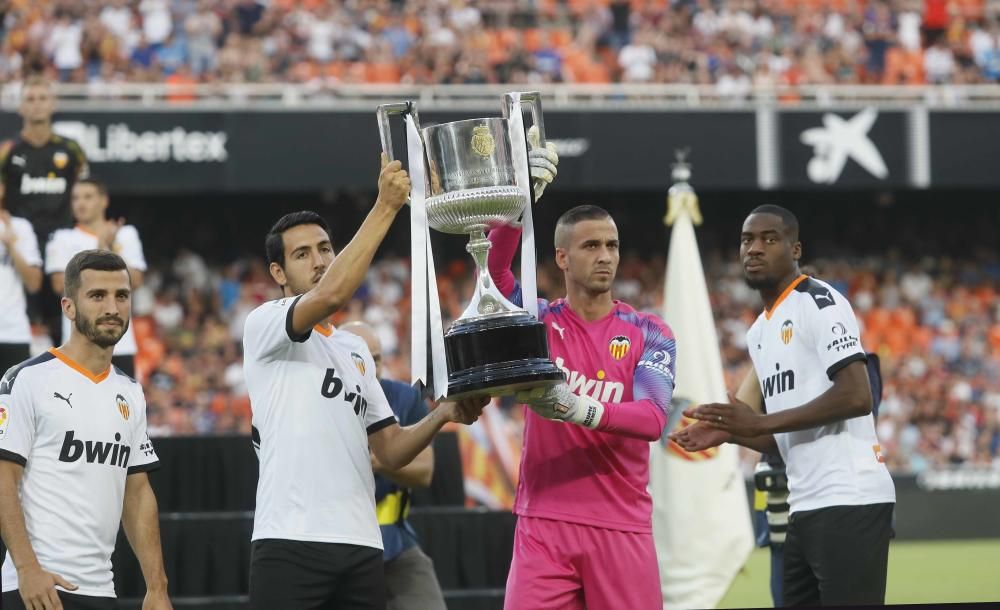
(562, 566)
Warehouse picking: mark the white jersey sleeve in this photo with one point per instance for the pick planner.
(143, 456)
(268, 330)
(129, 247)
(58, 252)
(17, 419)
(833, 329)
(27, 243)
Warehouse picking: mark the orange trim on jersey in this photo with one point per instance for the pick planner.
(85, 230)
(326, 332)
(79, 368)
(787, 291)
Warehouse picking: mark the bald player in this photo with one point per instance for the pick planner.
(410, 581)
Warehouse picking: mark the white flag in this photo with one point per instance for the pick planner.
(701, 519)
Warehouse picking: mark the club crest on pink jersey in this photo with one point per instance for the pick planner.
(619, 346)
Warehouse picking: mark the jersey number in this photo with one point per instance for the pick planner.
(333, 386)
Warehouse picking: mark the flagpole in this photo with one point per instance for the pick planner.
(701, 517)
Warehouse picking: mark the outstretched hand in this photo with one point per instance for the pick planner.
(735, 417)
(699, 436)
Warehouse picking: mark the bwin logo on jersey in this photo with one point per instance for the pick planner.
(782, 381)
(333, 385)
(600, 389)
(95, 452)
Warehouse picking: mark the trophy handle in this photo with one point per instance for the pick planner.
(533, 99)
(385, 111)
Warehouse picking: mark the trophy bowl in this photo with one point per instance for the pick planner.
(494, 347)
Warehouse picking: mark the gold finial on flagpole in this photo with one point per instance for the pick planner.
(681, 196)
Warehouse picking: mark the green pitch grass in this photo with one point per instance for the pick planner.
(919, 572)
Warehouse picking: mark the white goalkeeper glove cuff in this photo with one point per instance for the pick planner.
(558, 403)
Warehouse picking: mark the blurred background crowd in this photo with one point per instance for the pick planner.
(737, 45)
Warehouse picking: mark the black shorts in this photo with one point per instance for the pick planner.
(12, 354)
(294, 575)
(837, 555)
(70, 601)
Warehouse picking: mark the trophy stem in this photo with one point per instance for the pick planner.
(479, 247)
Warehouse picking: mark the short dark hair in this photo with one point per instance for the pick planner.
(97, 183)
(578, 214)
(787, 218)
(274, 243)
(98, 260)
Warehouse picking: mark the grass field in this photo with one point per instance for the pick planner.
(919, 572)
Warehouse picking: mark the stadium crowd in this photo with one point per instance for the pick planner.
(935, 324)
(738, 45)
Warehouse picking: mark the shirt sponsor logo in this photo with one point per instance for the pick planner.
(619, 346)
(842, 344)
(94, 452)
(839, 329)
(781, 381)
(786, 332)
(46, 185)
(601, 389)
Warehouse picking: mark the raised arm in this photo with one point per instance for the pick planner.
(500, 259)
(345, 274)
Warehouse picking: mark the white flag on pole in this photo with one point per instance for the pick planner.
(701, 519)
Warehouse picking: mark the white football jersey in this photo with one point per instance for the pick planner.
(315, 399)
(66, 243)
(797, 348)
(78, 436)
(14, 325)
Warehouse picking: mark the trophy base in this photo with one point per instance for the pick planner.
(498, 354)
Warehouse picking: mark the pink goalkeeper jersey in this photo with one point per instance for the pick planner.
(626, 361)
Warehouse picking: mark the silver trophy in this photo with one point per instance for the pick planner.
(495, 347)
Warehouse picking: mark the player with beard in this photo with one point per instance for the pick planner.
(809, 369)
(74, 456)
(317, 408)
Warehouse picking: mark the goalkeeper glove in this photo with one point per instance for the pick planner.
(558, 403)
(542, 162)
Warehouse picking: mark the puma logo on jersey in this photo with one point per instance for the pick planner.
(561, 330)
(45, 185)
(65, 398)
(782, 381)
(95, 452)
(598, 389)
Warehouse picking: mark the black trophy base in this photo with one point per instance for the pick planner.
(498, 355)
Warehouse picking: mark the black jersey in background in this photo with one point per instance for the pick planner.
(38, 181)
